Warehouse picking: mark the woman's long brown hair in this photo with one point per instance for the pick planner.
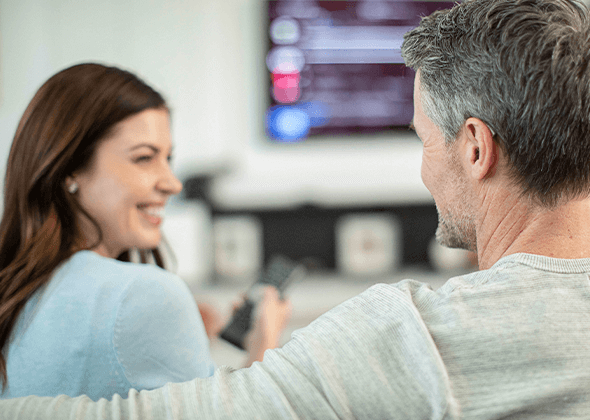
(56, 136)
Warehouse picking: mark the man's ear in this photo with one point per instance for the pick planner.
(481, 153)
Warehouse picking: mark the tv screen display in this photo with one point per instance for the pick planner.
(335, 67)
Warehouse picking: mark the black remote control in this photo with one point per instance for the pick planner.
(280, 272)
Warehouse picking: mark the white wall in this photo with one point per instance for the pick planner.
(206, 57)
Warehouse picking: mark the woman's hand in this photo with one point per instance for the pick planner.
(211, 319)
(273, 314)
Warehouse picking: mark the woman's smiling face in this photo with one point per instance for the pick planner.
(128, 183)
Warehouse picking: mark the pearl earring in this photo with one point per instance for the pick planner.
(73, 188)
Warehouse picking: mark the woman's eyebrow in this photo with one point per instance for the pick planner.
(151, 146)
(154, 148)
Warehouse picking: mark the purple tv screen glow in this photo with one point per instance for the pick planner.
(335, 67)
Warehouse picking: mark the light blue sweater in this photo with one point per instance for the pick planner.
(101, 327)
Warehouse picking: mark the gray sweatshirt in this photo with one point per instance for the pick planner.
(512, 341)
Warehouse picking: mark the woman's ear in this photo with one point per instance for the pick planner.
(481, 153)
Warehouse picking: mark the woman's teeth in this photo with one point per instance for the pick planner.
(155, 211)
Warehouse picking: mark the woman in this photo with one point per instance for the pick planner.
(87, 179)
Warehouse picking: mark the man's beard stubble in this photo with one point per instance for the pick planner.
(456, 227)
(454, 232)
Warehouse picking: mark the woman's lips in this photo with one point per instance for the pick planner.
(152, 213)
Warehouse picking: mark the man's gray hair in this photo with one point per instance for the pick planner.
(522, 67)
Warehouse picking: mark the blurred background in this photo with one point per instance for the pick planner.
(289, 121)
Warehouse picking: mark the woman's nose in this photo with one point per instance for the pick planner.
(170, 184)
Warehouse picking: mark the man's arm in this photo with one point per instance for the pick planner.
(223, 396)
(370, 357)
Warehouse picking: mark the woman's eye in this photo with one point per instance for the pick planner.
(145, 158)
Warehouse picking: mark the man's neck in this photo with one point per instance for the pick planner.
(563, 232)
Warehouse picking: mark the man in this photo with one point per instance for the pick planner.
(502, 106)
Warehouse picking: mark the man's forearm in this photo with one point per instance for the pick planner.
(370, 358)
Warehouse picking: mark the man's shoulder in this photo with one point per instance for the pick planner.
(418, 297)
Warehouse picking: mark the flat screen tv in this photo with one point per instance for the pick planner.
(335, 67)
